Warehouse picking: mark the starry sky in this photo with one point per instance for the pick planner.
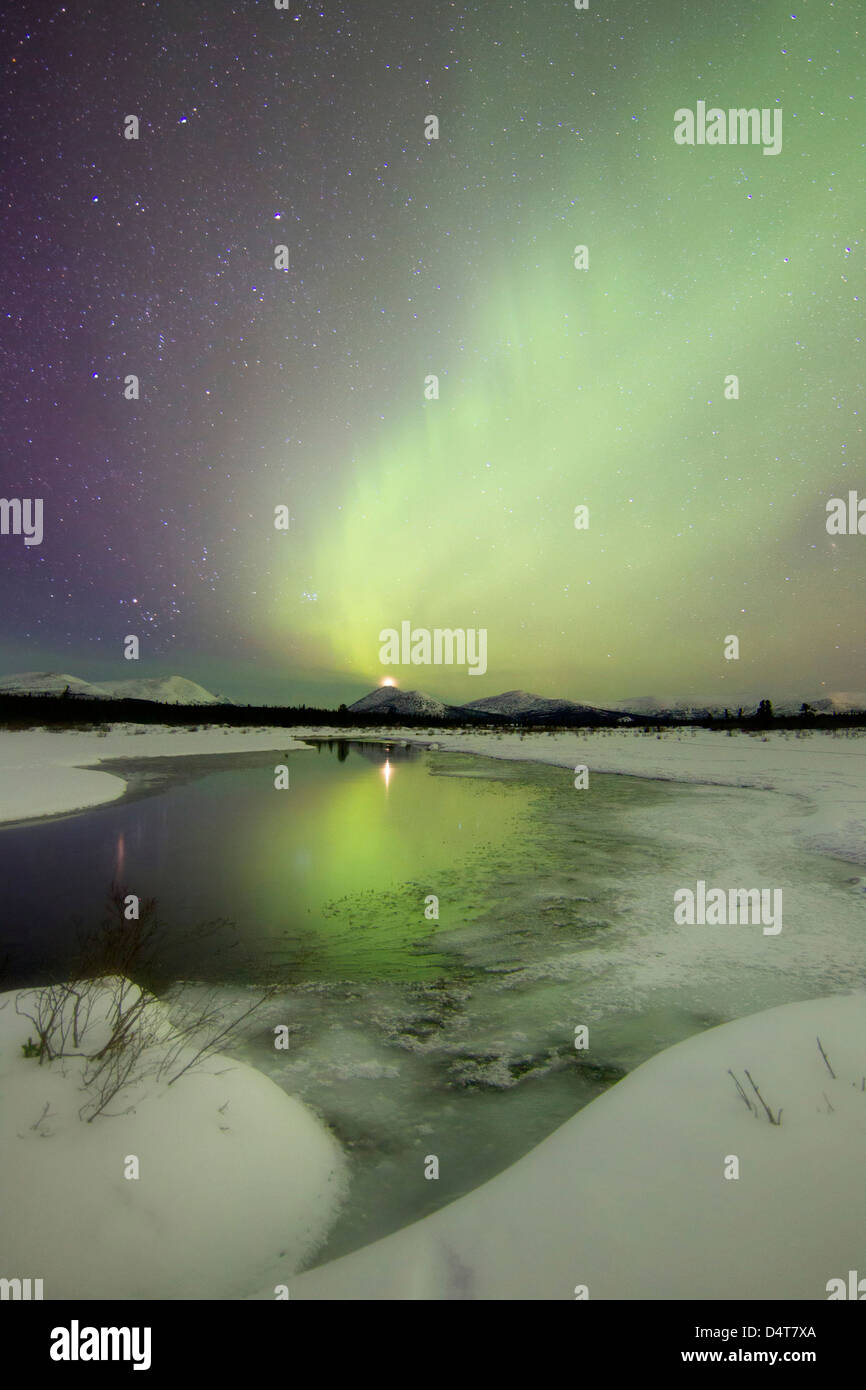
(558, 387)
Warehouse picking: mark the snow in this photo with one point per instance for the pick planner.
(630, 1197)
(45, 774)
(237, 1181)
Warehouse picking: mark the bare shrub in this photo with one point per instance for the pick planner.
(107, 1015)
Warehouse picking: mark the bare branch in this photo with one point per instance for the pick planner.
(769, 1113)
(746, 1100)
(826, 1059)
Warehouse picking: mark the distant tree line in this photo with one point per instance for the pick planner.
(65, 711)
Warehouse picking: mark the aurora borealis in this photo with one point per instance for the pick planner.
(408, 258)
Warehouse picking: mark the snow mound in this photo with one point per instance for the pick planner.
(237, 1181)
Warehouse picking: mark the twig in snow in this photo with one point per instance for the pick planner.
(778, 1119)
(741, 1091)
(826, 1059)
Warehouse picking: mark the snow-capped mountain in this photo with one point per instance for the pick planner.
(515, 706)
(166, 690)
(387, 699)
(50, 683)
(837, 704)
(169, 690)
(520, 703)
(652, 706)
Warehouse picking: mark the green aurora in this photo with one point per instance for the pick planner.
(606, 387)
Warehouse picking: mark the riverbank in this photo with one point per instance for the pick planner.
(197, 1171)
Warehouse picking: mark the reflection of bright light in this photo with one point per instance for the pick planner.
(120, 858)
(386, 772)
(387, 680)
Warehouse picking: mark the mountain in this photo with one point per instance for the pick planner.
(643, 704)
(387, 699)
(840, 703)
(519, 704)
(514, 707)
(168, 690)
(652, 707)
(50, 683)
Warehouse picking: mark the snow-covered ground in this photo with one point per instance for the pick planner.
(46, 774)
(234, 1181)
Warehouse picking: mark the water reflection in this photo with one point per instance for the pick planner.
(331, 874)
(120, 858)
(379, 753)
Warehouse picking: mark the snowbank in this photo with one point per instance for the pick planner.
(630, 1198)
(47, 774)
(237, 1181)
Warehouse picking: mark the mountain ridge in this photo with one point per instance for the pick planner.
(518, 706)
(167, 690)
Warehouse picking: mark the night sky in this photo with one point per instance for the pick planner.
(407, 257)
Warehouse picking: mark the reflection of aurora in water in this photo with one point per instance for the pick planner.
(328, 876)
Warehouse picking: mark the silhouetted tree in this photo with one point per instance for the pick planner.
(764, 713)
